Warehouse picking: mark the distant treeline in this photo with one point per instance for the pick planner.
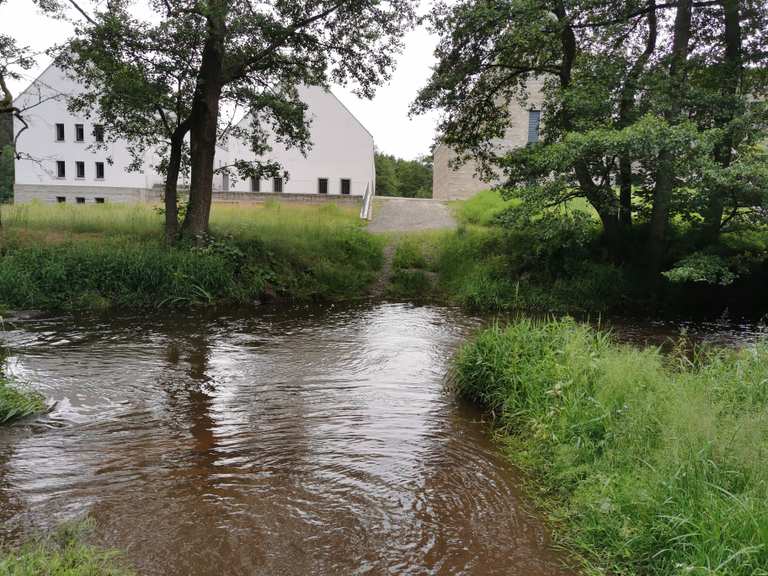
(398, 177)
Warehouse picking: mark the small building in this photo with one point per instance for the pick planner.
(456, 183)
(66, 158)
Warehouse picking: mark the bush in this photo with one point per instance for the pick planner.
(482, 208)
(15, 401)
(647, 464)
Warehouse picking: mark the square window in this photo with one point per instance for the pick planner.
(322, 185)
(99, 170)
(80, 200)
(61, 199)
(79, 133)
(346, 186)
(99, 200)
(277, 185)
(59, 132)
(61, 169)
(80, 169)
(98, 132)
(255, 184)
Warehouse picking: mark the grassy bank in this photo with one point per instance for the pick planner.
(15, 401)
(64, 553)
(54, 256)
(646, 463)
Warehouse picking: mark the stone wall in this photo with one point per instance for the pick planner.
(458, 183)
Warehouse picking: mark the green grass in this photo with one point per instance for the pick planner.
(647, 464)
(73, 257)
(15, 401)
(481, 208)
(64, 553)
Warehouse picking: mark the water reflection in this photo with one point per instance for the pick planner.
(290, 442)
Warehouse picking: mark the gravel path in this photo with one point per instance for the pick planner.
(407, 214)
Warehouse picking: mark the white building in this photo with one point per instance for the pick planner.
(61, 163)
(453, 183)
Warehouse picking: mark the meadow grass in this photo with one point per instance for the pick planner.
(54, 256)
(64, 553)
(16, 401)
(647, 464)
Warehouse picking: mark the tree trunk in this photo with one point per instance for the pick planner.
(626, 114)
(171, 186)
(731, 85)
(665, 171)
(204, 117)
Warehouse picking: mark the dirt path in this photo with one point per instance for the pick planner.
(409, 214)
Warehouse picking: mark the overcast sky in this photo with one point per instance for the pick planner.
(386, 116)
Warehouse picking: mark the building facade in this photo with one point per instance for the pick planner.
(455, 183)
(67, 159)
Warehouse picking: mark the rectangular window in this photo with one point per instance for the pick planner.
(61, 199)
(534, 119)
(80, 200)
(80, 169)
(59, 132)
(322, 185)
(225, 182)
(99, 200)
(255, 184)
(79, 133)
(98, 132)
(277, 185)
(61, 169)
(346, 185)
(100, 170)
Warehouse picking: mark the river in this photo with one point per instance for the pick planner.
(303, 440)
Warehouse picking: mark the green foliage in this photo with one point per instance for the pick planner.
(648, 465)
(63, 553)
(398, 177)
(15, 401)
(700, 267)
(116, 257)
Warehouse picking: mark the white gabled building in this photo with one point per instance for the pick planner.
(61, 164)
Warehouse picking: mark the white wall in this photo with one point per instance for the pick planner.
(48, 96)
(341, 148)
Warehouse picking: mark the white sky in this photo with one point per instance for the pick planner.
(386, 116)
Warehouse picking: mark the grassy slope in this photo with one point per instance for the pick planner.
(62, 554)
(55, 256)
(648, 464)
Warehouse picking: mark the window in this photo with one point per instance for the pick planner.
(322, 185)
(79, 133)
(61, 199)
(80, 200)
(225, 182)
(99, 200)
(98, 132)
(346, 184)
(100, 170)
(59, 132)
(534, 119)
(80, 169)
(61, 169)
(277, 185)
(255, 184)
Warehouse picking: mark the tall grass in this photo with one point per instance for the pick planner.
(102, 255)
(481, 208)
(15, 401)
(64, 553)
(647, 464)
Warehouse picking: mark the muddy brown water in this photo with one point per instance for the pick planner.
(300, 441)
